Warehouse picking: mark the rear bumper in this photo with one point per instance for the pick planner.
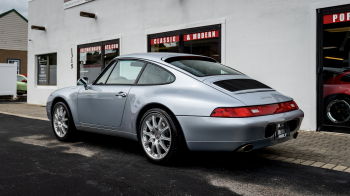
(228, 134)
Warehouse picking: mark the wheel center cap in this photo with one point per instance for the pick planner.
(157, 136)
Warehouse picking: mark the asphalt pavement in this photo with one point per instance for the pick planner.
(34, 162)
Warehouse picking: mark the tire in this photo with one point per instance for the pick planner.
(338, 110)
(62, 122)
(161, 141)
(19, 93)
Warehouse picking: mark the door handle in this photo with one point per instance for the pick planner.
(121, 94)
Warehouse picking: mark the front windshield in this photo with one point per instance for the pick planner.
(203, 67)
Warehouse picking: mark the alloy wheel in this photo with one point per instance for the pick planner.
(338, 111)
(156, 136)
(60, 121)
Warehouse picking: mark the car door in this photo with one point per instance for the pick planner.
(102, 104)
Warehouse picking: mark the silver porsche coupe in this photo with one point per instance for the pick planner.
(171, 102)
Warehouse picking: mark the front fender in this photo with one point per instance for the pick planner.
(69, 95)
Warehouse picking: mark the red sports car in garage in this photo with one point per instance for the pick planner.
(336, 94)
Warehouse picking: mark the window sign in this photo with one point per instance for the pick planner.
(201, 35)
(165, 44)
(42, 69)
(201, 41)
(335, 18)
(47, 69)
(163, 40)
(111, 51)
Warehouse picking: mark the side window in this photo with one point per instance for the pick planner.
(105, 75)
(155, 75)
(125, 72)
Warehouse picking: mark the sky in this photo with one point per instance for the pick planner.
(20, 6)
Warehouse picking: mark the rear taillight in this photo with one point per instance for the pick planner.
(252, 111)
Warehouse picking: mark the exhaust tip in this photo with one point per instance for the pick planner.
(245, 148)
(295, 135)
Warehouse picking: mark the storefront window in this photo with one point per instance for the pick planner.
(336, 69)
(93, 58)
(201, 41)
(47, 69)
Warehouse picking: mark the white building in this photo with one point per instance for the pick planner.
(284, 44)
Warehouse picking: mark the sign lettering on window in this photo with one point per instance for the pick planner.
(90, 49)
(163, 40)
(335, 18)
(111, 46)
(201, 35)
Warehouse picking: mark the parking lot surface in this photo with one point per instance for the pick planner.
(33, 162)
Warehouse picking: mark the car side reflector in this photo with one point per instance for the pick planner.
(252, 111)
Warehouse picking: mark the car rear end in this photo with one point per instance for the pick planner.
(267, 118)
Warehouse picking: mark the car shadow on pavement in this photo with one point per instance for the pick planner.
(230, 169)
(121, 163)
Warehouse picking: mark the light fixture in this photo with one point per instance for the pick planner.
(88, 15)
(38, 28)
(333, 58)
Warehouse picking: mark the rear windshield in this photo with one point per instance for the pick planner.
(202, 66)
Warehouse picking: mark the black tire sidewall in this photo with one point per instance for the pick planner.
(175, 137)
(339, 97)
(70, 123)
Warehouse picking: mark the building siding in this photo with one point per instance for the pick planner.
(13, 32)
(15, 54)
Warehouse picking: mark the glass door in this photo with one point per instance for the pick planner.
(334, 55)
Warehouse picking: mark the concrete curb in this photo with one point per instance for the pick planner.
(25, 116)
(306, 162)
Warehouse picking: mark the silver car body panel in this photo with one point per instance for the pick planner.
(191, 99)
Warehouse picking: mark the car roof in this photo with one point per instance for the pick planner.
(156, 56)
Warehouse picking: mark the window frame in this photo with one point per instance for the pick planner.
(119, 60)
(183, 32)
(18, 66)
(136, 82)
(104, 71)
(47, 70)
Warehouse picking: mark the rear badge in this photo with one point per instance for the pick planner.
(266, 97)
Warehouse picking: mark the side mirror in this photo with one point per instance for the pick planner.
(24, 81)
(83, 81)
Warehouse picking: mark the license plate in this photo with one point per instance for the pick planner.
(281, 131)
